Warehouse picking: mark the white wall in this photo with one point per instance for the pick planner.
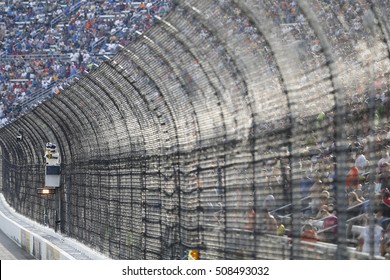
(35, 245)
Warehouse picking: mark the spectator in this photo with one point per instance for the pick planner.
(315, 196)
(329, 226)
(352, 180)
(361, 162)
(250, 219)
(385, 244)
(268, 223)
(306, 183)
(365, 241)
(281, 231)
(384, 177)
(353, 199)
(309, 233)
(386, 197)
(269, 200)
(80, 59)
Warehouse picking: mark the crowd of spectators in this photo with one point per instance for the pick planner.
(347, 25)
(45, 43)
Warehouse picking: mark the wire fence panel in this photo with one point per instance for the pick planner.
(229, 130)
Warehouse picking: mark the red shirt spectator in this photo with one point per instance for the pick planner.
(309, 233)
(352, 180)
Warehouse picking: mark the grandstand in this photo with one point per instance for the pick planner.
(236, 129)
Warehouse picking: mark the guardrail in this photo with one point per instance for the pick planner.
(98, 43)
(75, 7)
(59, 56)
(56, 20)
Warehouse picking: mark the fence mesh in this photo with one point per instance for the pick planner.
(240, 129)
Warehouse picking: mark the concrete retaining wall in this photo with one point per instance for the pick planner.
(32, 243)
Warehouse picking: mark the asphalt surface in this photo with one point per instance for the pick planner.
(73, 248)
(9, 250)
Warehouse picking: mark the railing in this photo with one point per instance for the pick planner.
(43, 94)
(289, 205)
(61, 16)
(38, 96)
(357, 206)
(75, 7)
(56, 20)
(59, 56)
(98, 43)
